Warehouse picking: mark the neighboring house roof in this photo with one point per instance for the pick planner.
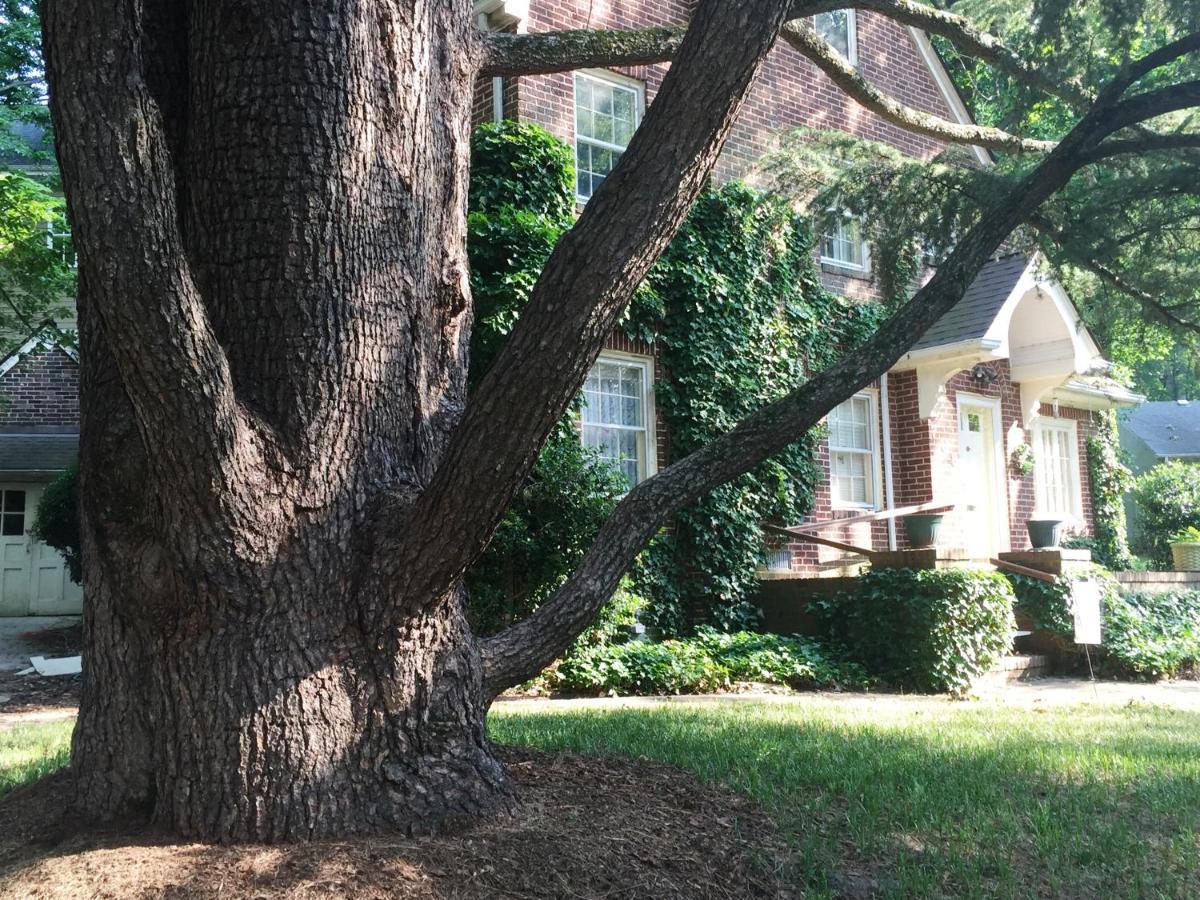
(974, 314)
(46, 336)
(33, 453)
(1170, 428)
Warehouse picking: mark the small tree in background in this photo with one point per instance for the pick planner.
(1168, 500)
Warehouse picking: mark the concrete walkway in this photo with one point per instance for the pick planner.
(1036, 692)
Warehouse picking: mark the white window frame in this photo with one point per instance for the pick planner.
(865, 265)
(873, 456)
(851, 34)
(1040, 468)
(611, 79)
(649, 466)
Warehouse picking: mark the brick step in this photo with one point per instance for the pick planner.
(1014, 667)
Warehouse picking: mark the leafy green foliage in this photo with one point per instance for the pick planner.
(1168, 499)
(57, 521)
(706, 662)
(22, 80)
(1110, 481)
(1144, 635)
(544, 534)
(927, 630)
(1153, 635)
(37, 280)
(740, 319)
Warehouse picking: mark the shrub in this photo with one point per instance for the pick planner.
(1168, 500)
(1153, 635)
(707, 662)
(57, 520)
(926, 630)
(1144, 635)
(545, 532)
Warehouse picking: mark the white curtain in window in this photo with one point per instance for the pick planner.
(614, 416)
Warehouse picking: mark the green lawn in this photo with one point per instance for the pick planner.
(913, 798)
(31, 751)
(925, 799)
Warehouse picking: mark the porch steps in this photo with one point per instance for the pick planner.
(1015, 667)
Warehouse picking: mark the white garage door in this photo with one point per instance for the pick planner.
(33, 577)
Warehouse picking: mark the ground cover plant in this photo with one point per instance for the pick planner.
(710, 661)
(921, 798)
(926, 630)
(1146, 636)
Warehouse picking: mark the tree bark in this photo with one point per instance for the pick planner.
(273, 314)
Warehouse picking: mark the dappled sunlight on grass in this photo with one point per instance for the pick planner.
(28, 752)
(935, 799)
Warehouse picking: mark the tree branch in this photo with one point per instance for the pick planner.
(1151, 104)
(582, 291)
(1145, 143)
(800, 35)
(960, 31)
(1153, 306)
(562, 51)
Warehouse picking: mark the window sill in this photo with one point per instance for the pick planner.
(845, 270)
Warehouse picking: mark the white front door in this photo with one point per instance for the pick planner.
(981, 502)
(33, 577)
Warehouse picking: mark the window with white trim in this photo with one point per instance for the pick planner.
(607, 112)
(843, 245)
(839, 28)
(854, 453)
(618, 414)
(1056, 468)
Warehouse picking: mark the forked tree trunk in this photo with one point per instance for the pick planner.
(301, 168)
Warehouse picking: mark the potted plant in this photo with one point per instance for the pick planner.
(1185, 549)
(1044, 533)
(1022, 459)
(922, 529)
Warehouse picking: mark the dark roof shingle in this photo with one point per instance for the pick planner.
(1167, 427)
(972, 316)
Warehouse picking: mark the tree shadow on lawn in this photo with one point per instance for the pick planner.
(586, 828)
(936, 800)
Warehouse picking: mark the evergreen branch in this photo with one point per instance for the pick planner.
(800, 35)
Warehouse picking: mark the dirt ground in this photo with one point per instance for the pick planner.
(586, 828)
(24, 697)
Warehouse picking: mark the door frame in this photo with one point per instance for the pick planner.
(1001, 528)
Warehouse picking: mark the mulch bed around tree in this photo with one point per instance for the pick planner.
(586, 828)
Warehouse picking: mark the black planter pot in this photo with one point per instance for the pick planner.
(1044, 533)
(922, 529)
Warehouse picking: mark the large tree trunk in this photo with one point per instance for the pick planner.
(302, 170)
(269, 207)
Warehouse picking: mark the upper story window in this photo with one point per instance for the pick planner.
(618, 414)
(843, 245)
(607, 112)
(840, 30)
(854, 453)
(1056, 468)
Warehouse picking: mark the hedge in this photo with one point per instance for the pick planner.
(928, 630)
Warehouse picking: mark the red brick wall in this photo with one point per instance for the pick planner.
(41, 389)
(924, 468)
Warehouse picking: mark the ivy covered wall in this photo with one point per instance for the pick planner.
(739, 317)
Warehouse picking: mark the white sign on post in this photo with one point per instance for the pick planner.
(1085, 608)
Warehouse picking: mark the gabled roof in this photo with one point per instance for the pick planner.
(47, 335)
(1169, 428)
(974, 314)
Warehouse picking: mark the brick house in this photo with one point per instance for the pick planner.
(39, 439)
(1012, 364)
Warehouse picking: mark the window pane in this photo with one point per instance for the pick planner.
(14, 501)
(606, 117)
(834, 27)
(13, 524)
